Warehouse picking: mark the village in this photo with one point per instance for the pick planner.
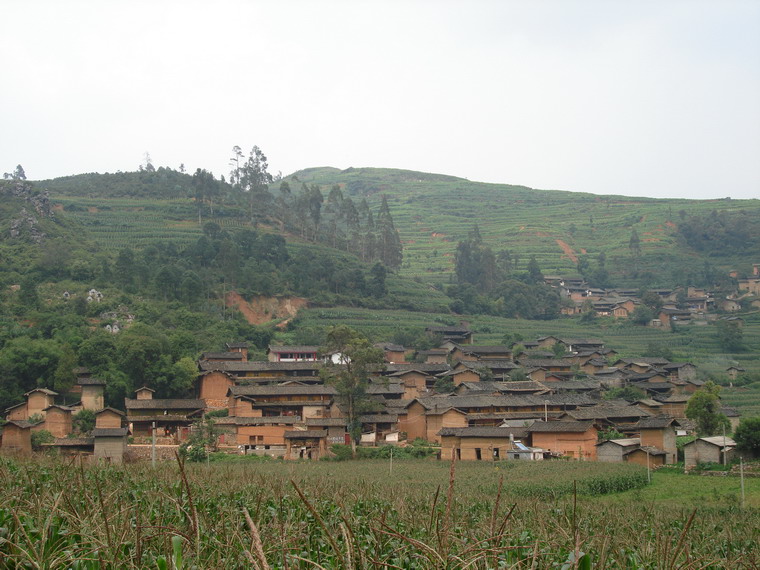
(670, 308)
(549, 400)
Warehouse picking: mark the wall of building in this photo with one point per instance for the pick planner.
(450, 418)
(17, 440)
(37, 402)
(664, 439)
(92, 398)
(213, 389)
(413, 423)
(110, 449)
(575, 445)
(108, 419)
(262, 435)
(58, 422)
(609, 453)
(475, 448)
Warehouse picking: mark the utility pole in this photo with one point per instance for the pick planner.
(153, 446)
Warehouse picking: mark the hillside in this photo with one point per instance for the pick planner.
(434, 212)
(164, 255)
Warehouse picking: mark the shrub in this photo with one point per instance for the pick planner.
(40, 437)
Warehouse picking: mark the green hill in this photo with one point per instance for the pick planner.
(434, 212)
(164, 255)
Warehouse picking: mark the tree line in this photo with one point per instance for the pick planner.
(488, 282)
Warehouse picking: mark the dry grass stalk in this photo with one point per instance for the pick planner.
(256, 542)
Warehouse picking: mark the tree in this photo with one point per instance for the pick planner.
(255, 180)
(651, 300)
(377, 287)
(704, 409)
(634, 244)
(747, 435)
(391, 251)
(642, 315)
(350, 376)
(629, 393)
(84, 421)
(534, 271)
(730, 336)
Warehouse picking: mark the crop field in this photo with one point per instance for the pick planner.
(117, 223)
(372, 514)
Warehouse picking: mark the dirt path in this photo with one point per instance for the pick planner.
(568, 251)
(260, 310)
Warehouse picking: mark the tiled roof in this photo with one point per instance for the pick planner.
(546, 363)
(109, 432)
(222, 356)
(655, 422)
(623, 442)
(268, 420)
(427, 367)
(279, 390)
(378, 419)
(560, 426)
(109, 409)
(326, 422)
(164, 404)
(501, 364)
(73, 441)
(257, 366)
(306, 434)
(294, 348)
(90, 381)
(604, 412)
(493, 432)
(43, 390)
(379, 388)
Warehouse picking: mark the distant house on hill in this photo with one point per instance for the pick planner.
(457, 334)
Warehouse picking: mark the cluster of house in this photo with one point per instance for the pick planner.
(679, 306)
(281, 407)
(38, 412)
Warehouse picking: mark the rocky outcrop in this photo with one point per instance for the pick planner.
(26, 224)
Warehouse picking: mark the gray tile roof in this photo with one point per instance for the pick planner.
(260, 421)
(279, 390)
(109, 432)
(90, 381)
(560, 426)
(492, 432)
(258, 366)
(164, 404)
(306, 434)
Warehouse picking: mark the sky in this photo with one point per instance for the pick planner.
(656, 98)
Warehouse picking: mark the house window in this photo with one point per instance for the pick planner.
(477, 454)
(496, 453)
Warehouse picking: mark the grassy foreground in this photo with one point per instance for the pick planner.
(369, 514)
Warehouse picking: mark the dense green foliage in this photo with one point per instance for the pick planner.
(487, 284)
(718, 231)
(747, 435)
(704, 410)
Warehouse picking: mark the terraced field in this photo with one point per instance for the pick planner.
(433, 212)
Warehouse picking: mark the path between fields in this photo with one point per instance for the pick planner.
(261, 310)
(568, 250)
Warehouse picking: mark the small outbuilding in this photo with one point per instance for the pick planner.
(716, 449)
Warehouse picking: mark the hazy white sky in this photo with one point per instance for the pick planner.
(644, 98)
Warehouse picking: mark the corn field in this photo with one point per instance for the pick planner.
(365, 514)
